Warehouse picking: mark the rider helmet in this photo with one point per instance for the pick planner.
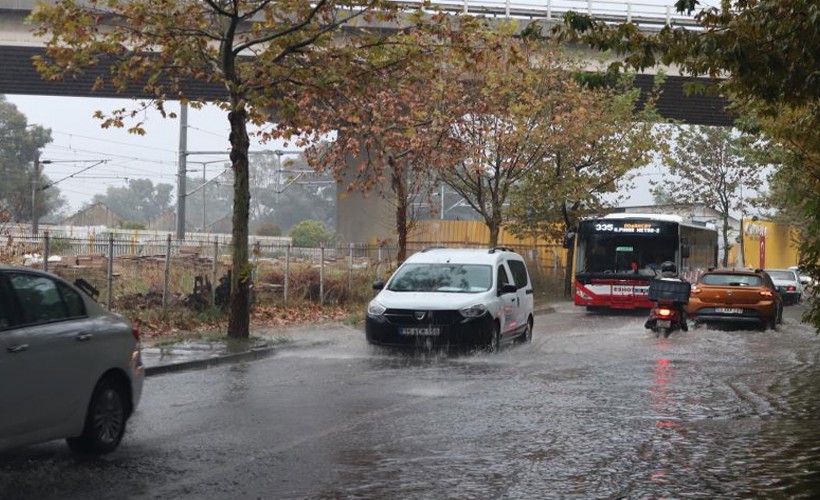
(669, 267)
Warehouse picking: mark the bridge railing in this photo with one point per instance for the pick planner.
(645, 13)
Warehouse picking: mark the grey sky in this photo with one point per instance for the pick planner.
(79, 138)
(79, 141)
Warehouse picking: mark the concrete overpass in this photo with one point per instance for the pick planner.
(17, 46)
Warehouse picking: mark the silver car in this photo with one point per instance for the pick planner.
(68, 368)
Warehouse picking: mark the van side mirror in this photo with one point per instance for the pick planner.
(378, 285)
(508, 288)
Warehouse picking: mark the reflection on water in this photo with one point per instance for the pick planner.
(701, 415)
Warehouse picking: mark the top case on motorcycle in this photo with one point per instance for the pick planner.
(670, 290)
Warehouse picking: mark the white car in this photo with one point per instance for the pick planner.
(805, 280)
(788, 284)
(68, 368)
(448, 297)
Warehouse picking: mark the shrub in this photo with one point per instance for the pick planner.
(309, 233)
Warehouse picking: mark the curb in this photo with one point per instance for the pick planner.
(250, 355)
(200, 364)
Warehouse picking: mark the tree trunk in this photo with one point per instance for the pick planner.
(400, 190)
(726, 241)
(494, 225)
(568, 277)
(239, 322)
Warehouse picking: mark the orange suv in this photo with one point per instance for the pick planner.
(736, 296)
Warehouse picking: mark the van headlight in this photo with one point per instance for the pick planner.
(473, 311)
(375, 309)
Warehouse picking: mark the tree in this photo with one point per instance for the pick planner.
(521, 100)
(286, 190)
(394, 123)
(765, 56)
(710, 165)
(20, 145)
(586, 161)
(261, 52)
(309, 233)
(139, 201)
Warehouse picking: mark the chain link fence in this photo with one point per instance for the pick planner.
(121, 272)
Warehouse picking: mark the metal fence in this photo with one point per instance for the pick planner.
(126, 270)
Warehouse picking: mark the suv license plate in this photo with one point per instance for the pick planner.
(420, 332)
(729, 310)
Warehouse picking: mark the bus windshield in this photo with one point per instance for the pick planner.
(608, 253)
(626, 246)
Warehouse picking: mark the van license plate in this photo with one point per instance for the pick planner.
(420, 332)
(729, 310)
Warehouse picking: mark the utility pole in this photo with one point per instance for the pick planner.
(203, 197)
(182, 169)
(35, 187)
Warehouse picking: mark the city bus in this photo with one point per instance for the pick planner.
(617, 255)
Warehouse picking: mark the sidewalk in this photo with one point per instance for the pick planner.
(200, 354)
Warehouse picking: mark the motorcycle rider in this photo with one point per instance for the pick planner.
(670, 271)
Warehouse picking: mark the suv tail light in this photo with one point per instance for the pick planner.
(766, 293)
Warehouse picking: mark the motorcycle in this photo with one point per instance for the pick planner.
(670, 297)
(664, 318)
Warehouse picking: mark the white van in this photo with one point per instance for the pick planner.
(454, 297)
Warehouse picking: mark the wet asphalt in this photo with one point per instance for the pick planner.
(595, 407)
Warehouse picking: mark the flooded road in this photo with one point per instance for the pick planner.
(595, 407)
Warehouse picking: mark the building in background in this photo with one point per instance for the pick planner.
(97, 214)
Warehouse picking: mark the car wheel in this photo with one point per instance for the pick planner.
(104, 420)
(771, 324)
(494, 342)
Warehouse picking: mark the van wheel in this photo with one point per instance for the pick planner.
(494, 342)
(104, 420)
(526, 337)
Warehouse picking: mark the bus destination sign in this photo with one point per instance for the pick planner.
(627, 227)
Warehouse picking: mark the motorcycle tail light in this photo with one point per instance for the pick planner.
(663, 311)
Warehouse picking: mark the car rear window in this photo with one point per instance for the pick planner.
(731, 280)
(460, 278)
(782, 275)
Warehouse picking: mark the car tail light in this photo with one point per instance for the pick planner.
(664, 311)
(135, 331)
(766, 293)
(791, 288)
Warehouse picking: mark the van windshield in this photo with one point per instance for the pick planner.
(456, 278)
